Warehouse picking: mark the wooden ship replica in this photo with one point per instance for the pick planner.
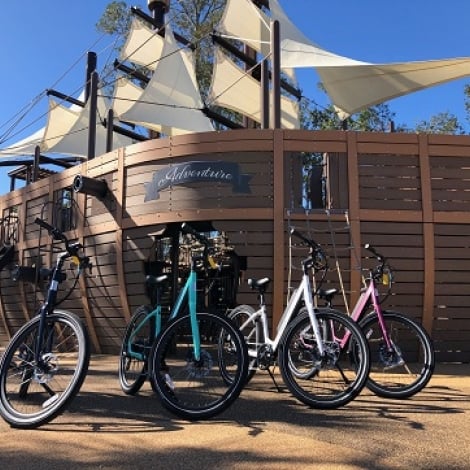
(124, 197)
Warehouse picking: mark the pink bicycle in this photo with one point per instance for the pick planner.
(401, 352)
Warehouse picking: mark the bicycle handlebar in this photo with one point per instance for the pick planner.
(384, 270)
(317, 259)
(72, 249)
(55, 232)
(372, 250)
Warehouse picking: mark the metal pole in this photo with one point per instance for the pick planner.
(109, 130)
(276, 73)
(158, 9)
(37, 156)
(93, 107)
(90, 68)
(265, 94)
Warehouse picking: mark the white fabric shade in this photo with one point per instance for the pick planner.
(233, 89)
(24, 146)
(251, 27)
(66, 133)
(143, 46)
(171, 98)
(352, 85)
(126, 95)
(357, 87)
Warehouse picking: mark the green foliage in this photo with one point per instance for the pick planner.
(442, 123)
(116, 19)
(195, 20)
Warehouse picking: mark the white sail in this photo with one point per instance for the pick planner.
(67, 130)
(170, 99)
(143, 45)
(24, 146)
(361, 86)
(233, 89)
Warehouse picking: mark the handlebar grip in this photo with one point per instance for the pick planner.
(312, 243)
(44, 224)
(372, 250)
(55, 232)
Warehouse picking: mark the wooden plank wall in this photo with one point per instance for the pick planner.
(406, 194)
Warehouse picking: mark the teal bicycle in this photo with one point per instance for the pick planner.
(187, 358)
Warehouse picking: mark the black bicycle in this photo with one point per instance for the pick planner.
(46, 361)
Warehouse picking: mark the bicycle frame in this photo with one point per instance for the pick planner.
(187, 291)
(303, 291)
(49, 303)
(369, 296)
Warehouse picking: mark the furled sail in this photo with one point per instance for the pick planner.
(232, 88)
(171, 101)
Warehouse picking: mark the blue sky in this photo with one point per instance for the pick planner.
(42, 46)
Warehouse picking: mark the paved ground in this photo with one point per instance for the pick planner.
(264, 429)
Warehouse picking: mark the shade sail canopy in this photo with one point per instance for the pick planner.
(143, 45)
(356, 87)
(352, 85)
(232, 88)
(171, 100)
(66, 133)
(24, 146)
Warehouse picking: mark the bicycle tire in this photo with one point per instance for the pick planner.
(133, 357)
(197, 389)
(251, 332)
(407, 369)
(328, 382)
(30, 394)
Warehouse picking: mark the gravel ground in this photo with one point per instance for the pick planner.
(264, 429)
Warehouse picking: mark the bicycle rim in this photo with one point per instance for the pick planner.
(198, 389)
(407, 367)
(328, 381)
(33, 394)
(251, 331)
(135, 350)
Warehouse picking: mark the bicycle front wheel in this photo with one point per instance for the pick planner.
(198, 388)
(406, 367)
(35, 388)
(330, 380)
(135, 349)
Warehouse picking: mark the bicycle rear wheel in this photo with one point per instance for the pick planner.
(33, 392)
(135, 349)
(198, 389)
(251, 331)
(407, 367)
(328, 381)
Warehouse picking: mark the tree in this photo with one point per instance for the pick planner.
(442, 123)
(195, 20)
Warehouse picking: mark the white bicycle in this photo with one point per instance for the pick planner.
(319, 366)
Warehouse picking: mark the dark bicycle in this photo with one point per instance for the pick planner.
(46, 361)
